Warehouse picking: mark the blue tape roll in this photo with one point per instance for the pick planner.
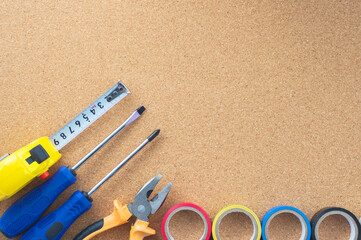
(273, 212)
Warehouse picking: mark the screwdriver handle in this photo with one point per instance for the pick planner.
(28, 209)
(54, 225)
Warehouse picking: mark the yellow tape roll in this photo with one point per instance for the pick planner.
(257, 230)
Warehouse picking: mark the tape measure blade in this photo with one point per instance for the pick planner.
(89, 115)
(69, 132)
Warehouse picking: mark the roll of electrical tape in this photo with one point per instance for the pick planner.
(257, 230)
(318, 218)
(305, 223)
(186, 207)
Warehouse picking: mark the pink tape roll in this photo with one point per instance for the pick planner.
(186, 207)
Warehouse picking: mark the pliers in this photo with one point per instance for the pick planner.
(141, 208)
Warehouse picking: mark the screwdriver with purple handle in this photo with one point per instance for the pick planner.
(28, 209)
(54, 225)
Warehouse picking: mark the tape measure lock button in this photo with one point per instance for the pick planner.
(37, 154)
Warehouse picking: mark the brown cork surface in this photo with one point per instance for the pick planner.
(258, 103)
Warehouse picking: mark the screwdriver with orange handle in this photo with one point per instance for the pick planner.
(54, 225)
(141, 208)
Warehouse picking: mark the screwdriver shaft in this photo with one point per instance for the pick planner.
(120, 165)
(134, 116)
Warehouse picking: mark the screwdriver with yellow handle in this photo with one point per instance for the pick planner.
(21, 167)
(54, 225)
(28, 209)
(141, 208)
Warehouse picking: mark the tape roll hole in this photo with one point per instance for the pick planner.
(285, 226)
(186, 224)
(334, 225)
(236, 225)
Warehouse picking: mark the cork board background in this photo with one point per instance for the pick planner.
(258, 103)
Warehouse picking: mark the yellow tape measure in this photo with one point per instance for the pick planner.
(21, 167)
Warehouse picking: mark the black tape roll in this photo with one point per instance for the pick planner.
(320, 216)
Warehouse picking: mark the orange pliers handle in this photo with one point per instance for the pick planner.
(141, 230)
(120, 216)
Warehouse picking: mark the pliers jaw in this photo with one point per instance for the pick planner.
(142, 207)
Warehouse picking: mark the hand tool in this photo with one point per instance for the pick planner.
(320, 216)
(28, 209)
(186, 207)
(141, 208)
(273, 212)
(33, 160)
(55, 224)
(257, 230)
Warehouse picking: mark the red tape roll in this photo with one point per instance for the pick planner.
(186, 207)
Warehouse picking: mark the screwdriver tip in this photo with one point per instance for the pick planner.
(141, 110)
(153, 135)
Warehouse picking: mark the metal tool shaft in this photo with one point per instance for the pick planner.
(134, 116)
(120, 165)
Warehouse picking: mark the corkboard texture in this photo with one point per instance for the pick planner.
(258, 102)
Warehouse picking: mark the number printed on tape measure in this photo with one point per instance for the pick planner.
(81, 122)
(89, 115)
